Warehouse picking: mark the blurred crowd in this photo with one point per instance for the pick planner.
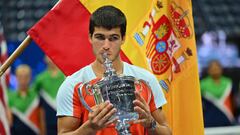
(214, 46)
(220, 87)
(32, 107)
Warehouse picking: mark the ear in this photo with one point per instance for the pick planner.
(90, 38)
(123, 39)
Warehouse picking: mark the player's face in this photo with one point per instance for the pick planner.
(109, 41)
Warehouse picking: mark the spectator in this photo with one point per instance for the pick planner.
(216, 91)
(47, 84)
(26, 118)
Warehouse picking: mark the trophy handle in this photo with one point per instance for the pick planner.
(82, 99)
(89, 88)
(141, 82)
(137, 83)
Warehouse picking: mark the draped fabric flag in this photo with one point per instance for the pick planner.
(63, 35)
(4, 128)
(160, 37)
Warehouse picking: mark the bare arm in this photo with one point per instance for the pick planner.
(9, 116)
(162, 125)
(146, 117)
(71, 126)
(97, 120)
(42, 121)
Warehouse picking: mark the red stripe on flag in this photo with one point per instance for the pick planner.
(2, 129)
(63, 35)
(2, 96)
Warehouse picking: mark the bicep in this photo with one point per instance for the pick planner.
(68, 124)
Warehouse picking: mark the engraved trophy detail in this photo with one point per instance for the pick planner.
(119, 90)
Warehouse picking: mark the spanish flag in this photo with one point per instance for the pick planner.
(160, 37)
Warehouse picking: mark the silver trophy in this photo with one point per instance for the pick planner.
(119, 90)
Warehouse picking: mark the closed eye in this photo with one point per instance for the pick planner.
(114, 38)
(99, 37)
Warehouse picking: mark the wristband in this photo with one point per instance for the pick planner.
(153, 125)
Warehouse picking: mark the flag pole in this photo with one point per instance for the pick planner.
(15, 54)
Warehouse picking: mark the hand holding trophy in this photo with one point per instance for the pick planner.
(119, 90)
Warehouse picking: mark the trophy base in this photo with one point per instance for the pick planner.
(124, 118)
(127, 116)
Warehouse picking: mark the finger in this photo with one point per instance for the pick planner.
(141, 112)
(107, 116)
(141, 105)
(97, 109)
(104, 111)
(114, 120)
(139, 97)
(139, 121)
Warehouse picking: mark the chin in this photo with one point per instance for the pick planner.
(100, 60)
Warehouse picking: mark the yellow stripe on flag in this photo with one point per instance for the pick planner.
(160, 37)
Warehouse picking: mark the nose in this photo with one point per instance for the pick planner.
(106, 44)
